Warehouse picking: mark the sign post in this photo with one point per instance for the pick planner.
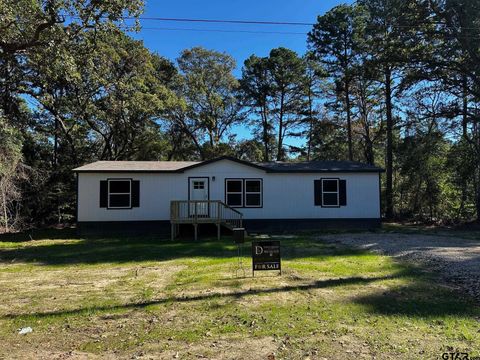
(266, 256)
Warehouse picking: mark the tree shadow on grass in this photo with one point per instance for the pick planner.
(319, 284)
(419, 300)
(122, 250)
(40, 234)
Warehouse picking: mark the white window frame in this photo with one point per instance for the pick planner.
(129, 194)
(254, 192)
(331, 192)
(234, 192)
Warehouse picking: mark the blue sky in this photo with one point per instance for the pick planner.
(170, 43)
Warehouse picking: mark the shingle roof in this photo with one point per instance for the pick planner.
(272, 167)
(134, 166)
(320, 166)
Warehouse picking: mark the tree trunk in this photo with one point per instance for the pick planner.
(266, 155)
(5, 212)
(463, 197)
(349, 120)
(310, 124)
(55, 145)
(465, 107)
(369, 154)
(476, 137)
(389, 157)
(280, 129)
(477, 197)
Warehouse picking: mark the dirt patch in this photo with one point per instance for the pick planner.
(68, 355)
(219, 349)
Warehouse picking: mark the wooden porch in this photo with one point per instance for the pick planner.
(203, 212)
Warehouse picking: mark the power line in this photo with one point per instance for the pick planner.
(218, 21)
(225, 31)
(257, 22)
(254, 22)
(472, 37)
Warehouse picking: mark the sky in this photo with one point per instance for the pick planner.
(252, 39)
(169, 43)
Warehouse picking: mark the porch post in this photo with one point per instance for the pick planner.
(218, 231)
(196, 231)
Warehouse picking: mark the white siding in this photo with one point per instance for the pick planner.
(285, 196)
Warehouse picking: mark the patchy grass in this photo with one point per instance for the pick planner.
(125, 297)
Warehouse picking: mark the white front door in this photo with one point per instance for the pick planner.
(198, 188)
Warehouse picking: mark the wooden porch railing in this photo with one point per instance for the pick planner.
(203, 212)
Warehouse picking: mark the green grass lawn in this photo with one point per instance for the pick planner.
(152, 298)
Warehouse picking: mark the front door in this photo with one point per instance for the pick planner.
(198, 188)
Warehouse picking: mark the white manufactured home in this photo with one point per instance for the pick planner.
(159, 196)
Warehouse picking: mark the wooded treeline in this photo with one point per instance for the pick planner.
(395, 83)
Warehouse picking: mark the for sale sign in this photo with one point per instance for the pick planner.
(266, 255)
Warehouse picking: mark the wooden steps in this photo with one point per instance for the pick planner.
(203, 212)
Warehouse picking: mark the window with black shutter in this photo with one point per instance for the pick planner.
(119, 193)
(330, 192)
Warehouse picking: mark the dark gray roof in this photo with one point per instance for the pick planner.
(319, 166)
(181, 166)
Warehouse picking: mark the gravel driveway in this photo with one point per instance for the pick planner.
(456, 259)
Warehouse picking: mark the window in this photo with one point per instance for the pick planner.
(234, 192)
(253, 193)
(243, 192)
(199, 185)
(119, 194)
(330, 193)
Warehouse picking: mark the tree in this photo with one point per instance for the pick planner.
(100, 102)
(28, 27)
(105, 98)
(335, 40)
(274, 87)
(314, 87)
(210, 103)
(30, 24)
(256, 86)
(328, 138)
(12, 172)
(287, 71)
(367, 103)
(388, 21)
(249, 150)
(457, 58)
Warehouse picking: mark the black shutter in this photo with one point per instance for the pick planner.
(103, 193)
(135, 193)
(318, 192)
(343, 192)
